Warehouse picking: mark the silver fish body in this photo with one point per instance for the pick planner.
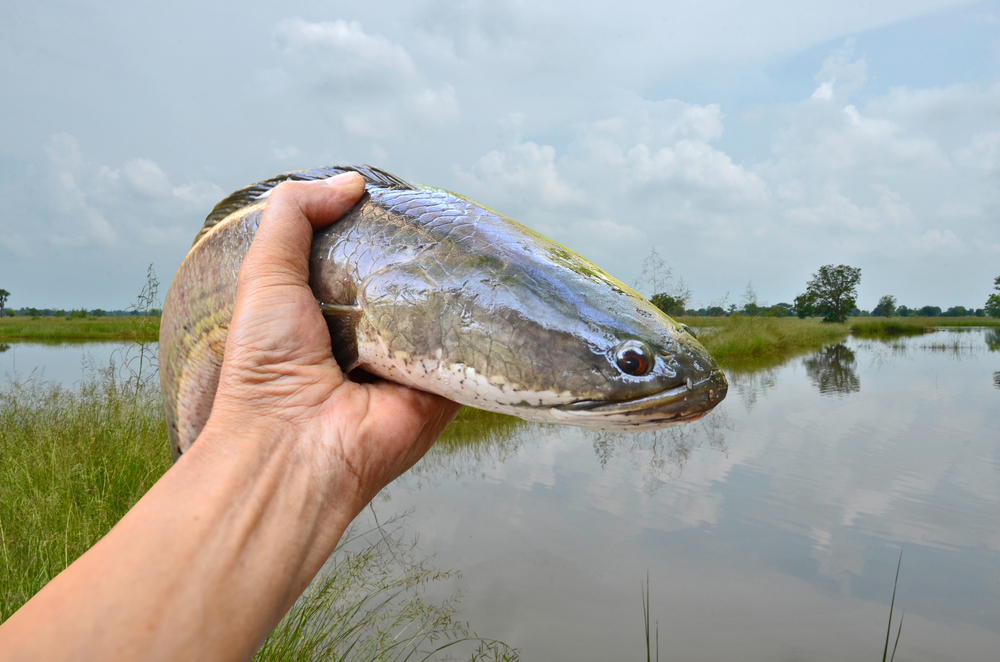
(429, 289)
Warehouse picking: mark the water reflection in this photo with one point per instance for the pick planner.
(993, 339)
(751, 386)
(833, 370)
(662, 454)
(4, 347)
(996, 379)
(475, 442)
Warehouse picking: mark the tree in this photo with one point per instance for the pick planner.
(832, 292)
(670, 305)
(3, 299)
(655, 275)
(804, 306)
(992, 307)
(779, 310)
(929, 311)
(886, 307)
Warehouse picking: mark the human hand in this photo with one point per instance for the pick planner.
(279, 375)
(218, 550)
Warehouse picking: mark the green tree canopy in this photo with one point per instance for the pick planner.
(886, 307)
(3, 299)
(671, 305)
(832, 292)
(992, 306)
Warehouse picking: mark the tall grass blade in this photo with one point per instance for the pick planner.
(898, 633)
(644, 591)
(892, 604)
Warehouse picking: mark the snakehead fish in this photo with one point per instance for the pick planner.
(429, 289)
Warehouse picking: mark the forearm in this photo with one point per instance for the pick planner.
(220, 547)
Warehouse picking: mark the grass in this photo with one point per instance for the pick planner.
(887, 326)
(72, 463)
(751, 343)
(644, 592)
(61, 329)
(892, 606)
(895, 326)
(366, 605)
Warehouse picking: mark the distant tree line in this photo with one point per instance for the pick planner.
(82, 312)
(831, 293)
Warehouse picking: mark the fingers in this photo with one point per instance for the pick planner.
(275, 309)
(280, 251)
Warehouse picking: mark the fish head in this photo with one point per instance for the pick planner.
(536, 331)
(655, 372)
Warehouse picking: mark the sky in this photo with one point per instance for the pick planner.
(749, 143)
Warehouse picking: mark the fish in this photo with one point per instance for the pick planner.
(429, 289)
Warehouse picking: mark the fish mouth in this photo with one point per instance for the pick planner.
(681, 404)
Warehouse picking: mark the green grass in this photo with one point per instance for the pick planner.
(73, 461)
(895, 326)
(751, 343)
(366, 605)
(61, 329)
(887, 326)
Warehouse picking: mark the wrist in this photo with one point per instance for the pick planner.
(283, 474)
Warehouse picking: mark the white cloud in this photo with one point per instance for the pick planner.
(145, 177)
(841, 75)
(652, 149)
(346, 51)
(364, 84)
(838, 214)
(528, 171)
(90, 207)
(282, 153)
(983, 153)
(937, 242)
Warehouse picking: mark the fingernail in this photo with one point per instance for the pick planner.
(343, 179)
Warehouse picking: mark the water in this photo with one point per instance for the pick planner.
(770, 530)
(66, 363)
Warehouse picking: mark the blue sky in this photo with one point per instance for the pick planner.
(748, 143)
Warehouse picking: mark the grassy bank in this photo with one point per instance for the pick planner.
(875, 328)
(73, 461)
(61, 329)
(895, 326)
(743, 342)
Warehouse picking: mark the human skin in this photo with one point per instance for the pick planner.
(208, 561)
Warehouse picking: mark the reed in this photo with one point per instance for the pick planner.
(72, 463)
(366, 604)
(887, 326)
(914, 325)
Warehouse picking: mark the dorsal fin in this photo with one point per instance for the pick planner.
(248, 195)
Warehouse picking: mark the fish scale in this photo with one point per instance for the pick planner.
(431, 290)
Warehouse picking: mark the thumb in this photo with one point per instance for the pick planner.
(279, 254)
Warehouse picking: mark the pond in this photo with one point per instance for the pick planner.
(66, 362)
(769, 530)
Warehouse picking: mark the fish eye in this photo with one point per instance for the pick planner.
(633, 358)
